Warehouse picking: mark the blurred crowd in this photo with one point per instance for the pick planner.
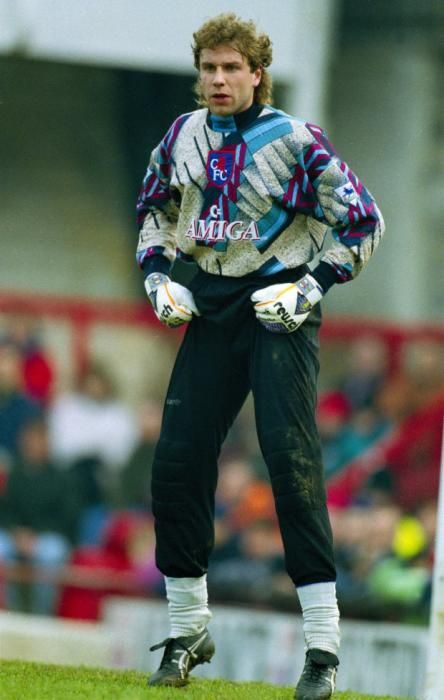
(75, 510)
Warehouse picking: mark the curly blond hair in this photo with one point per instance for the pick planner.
(229, 29)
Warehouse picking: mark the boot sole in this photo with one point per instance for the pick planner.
(173, 683)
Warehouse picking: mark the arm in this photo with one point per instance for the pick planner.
(324, 188)
(157, 214)
(342, 202)
(157, 210)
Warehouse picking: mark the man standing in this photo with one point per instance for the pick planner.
(39, 513)
(247, 192)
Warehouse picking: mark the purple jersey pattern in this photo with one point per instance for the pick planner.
(320, 186)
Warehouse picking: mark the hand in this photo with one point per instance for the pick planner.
(173, 304)
(282, 308)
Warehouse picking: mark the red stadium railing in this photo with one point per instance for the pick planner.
(84, 313)
(81, 313)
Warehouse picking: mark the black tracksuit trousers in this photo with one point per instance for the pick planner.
(226, 353)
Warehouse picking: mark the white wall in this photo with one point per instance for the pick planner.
(157, 35)
(64, 228)
(384, 659)
(383, 101)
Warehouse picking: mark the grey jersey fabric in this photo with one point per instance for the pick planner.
(254, 195)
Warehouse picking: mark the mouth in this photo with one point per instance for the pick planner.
(220, 97)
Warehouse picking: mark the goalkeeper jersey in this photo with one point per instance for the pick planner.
(254, 193)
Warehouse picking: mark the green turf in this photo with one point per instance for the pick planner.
(21, 680)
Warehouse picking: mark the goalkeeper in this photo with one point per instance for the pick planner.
(247, 193)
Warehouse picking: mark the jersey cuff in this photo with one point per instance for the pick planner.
(325, 275)
(156, 263)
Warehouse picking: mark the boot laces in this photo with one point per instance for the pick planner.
(314, 672)
(170, 644)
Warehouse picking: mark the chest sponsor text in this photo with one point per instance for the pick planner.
(214, 231)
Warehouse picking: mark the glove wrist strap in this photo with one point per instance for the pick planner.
(310, 289)
(155, 280)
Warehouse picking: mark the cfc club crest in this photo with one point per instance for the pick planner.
(220, 167)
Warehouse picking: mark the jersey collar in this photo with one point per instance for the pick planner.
(234, 122)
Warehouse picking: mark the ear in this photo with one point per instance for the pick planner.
(257, 75)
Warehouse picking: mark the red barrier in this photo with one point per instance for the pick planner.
(83, 313)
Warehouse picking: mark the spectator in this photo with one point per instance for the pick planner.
(38, 518)
(384, 563)
(408, 418)
(89, 475)
(16, 409)
(427, 514)
(416, 402)
(377, 490)
(5, 462)
(418, 382)
(402, 577)
(256, 503)
(122, 563)
(364, 428)
(349, 528)
(93, 422)
(367, 371)
(254, 572)
(236, 479)
(37, 369)
(236, 475)
(332, 414)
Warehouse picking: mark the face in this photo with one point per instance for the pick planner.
(226, 79)
(34, 445)
(10, 369)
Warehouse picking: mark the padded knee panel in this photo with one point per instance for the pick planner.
(295, 471)
(169, 484)
(299, 488)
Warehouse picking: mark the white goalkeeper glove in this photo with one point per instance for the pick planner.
(282, 308)
(173, 304)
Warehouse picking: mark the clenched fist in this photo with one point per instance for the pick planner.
(282, 308)
(173, 304)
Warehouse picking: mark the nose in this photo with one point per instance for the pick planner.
(218, 78)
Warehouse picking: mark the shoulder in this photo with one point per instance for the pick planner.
(296, 133)
(188, 118)
(181, 120)
(182, 125)
(275, 114)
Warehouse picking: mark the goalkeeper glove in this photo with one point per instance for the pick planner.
(173, 304)
(282, 308)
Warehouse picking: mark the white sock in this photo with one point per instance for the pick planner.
(320, 614)
(187, 605)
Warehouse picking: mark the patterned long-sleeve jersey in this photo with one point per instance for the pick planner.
(254, 193)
